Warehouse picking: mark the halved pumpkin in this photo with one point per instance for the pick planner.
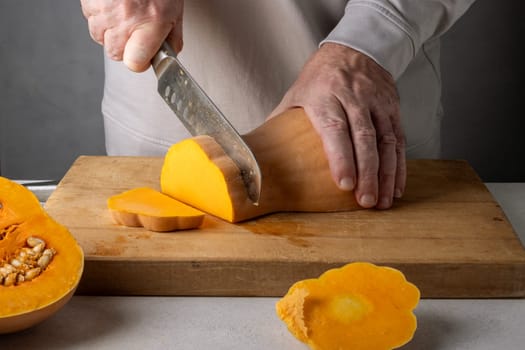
(40, 261)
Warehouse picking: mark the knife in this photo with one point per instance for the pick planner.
(200, 116)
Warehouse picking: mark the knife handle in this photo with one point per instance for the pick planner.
(165, 53)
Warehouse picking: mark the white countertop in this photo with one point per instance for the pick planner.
(251, 323)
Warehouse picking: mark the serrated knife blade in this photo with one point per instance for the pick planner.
(200, 116)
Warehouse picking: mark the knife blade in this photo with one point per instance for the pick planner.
(201, 116)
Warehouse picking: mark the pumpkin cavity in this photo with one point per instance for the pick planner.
(27, 263)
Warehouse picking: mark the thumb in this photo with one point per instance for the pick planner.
(143, 44)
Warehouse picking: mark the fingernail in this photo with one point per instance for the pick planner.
(398, 193)
(368, 200)
(346, 184)
(135, 57)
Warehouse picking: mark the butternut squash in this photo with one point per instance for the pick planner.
(359, 306)
(295, 173)
(153, 210)
(40, 261)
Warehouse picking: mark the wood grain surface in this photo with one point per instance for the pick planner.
(447, 234)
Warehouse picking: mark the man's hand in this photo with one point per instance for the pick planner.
(133, 30)
(353, 104)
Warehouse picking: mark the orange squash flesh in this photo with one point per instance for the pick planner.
(197, 171)
(25, 304)
(359, 306)
(295, 173)
(153, 210)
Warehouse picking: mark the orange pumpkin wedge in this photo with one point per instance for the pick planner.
(153, 210)
(40, 261)
(359, 306)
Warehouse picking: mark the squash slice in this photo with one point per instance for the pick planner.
(359, 306)
(153, 210)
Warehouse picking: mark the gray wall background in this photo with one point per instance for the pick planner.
(51, 79)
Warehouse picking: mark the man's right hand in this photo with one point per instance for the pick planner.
(133, 30)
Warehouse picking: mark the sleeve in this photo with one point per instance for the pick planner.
(392, 31)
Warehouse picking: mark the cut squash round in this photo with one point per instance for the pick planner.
(359, 306)
(153, 210)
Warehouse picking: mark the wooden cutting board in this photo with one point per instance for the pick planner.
(448, 235)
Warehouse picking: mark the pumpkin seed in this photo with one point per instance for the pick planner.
(49, 251)
(20, 278)
(22, 255)
(39, 247)
(10, 279)
(30, 274)
(3, 272)
(34, 241)
(9, 268)
(44, 260)
(16, 263)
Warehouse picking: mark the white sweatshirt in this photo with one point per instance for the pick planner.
(245, 55)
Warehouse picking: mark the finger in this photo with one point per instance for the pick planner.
(87, 9)
(143, 44)
(114, 43)
(401, 168)
(175, 38)
(96, 30)
(386, 144)
(331, 124)
(84, 9)
(366, 155)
